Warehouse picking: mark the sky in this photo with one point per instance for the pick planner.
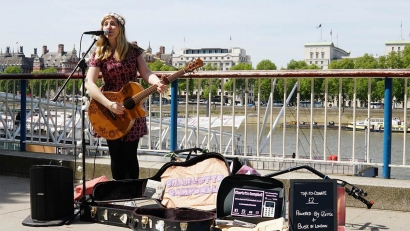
(267, 29)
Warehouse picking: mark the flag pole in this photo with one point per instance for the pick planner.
(331, 36)
(401, 30)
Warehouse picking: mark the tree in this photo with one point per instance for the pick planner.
(240, 82)
(12, 70)
(266, 84)
(366, 62)
(394, 61)
(156, 66)
(305, 89)
(266, 64)
(204, 83)
(41, 88)
(406, 57)
(8, 86)
(342, 64)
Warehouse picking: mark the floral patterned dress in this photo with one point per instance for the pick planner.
(116, 74)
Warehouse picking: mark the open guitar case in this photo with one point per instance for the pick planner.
(124, 203)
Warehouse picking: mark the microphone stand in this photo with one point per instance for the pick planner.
(81, 64)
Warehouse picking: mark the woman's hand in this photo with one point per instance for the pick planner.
(161, 88)
(116, 108)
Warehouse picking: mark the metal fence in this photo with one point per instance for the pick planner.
(243, 123)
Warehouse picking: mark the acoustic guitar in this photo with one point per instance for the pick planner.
(132, 96)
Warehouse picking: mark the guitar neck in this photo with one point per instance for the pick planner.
(145, 93)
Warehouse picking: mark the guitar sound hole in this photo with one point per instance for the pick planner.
(129, 103)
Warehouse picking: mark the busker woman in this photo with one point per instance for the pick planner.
(118, 61)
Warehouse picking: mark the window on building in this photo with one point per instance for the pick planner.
(227, 57)
(204, 58)
(311, 55)
(321, 62)
(227, 69)
(210, 57)
(310, 62)
(323, 55)
(392, 48)
(315, 62)
(222, 57)
(216, 57)
(187, 58)
(317, 55)
(227, 64)
(398, 48)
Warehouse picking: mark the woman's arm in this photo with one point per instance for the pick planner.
(95, 92)
(148, 76)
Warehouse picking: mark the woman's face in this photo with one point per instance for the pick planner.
(112, 26)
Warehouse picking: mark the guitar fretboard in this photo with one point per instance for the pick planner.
(145, 93)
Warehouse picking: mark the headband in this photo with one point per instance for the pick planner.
(120, 19)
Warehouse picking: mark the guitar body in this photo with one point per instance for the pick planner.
(114, 126)
(132, 96)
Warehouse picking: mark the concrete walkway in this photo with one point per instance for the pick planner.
(15, 207)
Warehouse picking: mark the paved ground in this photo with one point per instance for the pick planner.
(15, 207)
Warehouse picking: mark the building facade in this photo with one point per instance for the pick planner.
(396, 46)
(323, 53)
(221, 58)
(61, 60)
(10, 58)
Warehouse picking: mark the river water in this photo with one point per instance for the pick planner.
(376, 145)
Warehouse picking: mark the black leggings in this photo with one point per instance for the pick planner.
(124, 161)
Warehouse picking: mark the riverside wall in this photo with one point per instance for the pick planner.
(291, 113)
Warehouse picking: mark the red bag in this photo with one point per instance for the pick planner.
(89, 185)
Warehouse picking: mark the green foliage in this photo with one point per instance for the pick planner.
(266, 64)
(210, 67)
(156, 66)
(11, 86)
(41, 88)
(242, 66)
(342, 64)
(12, 70)
(366, 62)
(406, 57)
(265, 83)
(182, 86)
(394, 61)
(240, 82)
(296, 65)
(210, 86)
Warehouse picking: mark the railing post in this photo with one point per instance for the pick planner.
(387, 127)
(23, 116)
(174, 116)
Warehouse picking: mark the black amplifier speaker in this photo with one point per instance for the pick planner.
(51, 195)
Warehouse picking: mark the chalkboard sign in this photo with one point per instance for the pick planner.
(313, 205)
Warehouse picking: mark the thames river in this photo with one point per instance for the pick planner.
(346, 145)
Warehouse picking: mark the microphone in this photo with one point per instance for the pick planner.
(97, 32)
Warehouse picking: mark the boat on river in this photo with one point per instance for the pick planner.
(377, 125)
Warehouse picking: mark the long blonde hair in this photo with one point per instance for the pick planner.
(103, 50)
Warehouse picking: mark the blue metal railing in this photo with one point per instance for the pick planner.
(234, 146)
